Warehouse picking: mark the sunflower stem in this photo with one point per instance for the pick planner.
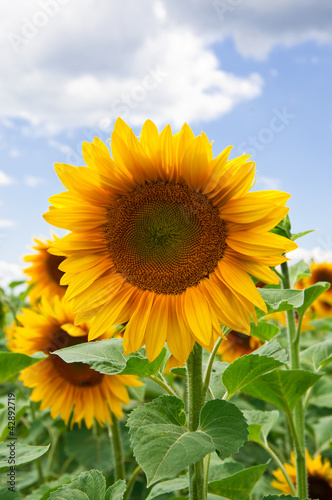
(197, 488)
(131, 482)
(115, 433)
(296, 426)
(280, 464)
(162, 384)
(209, 367)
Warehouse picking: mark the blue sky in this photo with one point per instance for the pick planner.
(249, 73)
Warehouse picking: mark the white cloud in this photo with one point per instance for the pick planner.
(6, 223)
(5, 180)
(33, 182)
(10, 272)
(317, 254)
(68, 64)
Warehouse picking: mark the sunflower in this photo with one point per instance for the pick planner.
(319, 477)
(322, 307)
(165, 238)
(237, 344)
(44, 273)
(66, 387)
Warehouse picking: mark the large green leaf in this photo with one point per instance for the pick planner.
(90, 484)
(264, 331)
(116, 491)
(323, 433)
(163, 445)
(6, 494)
(278, 300)
(11, 363)
(298, 271)
(318, 355)
(43, 492)
(104, 356)
(282, 388)
(90, 450)
(180, 483)
(138, 364)
(246, 370)
(239, 485)
(311, 294)
(260, 423)
(24, 453)
(273, 350)
(321, 393)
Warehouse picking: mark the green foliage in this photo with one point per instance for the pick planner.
(278, 300)
(44, 491)
(282, 388)
(24, 453)
(116, 491)
(91, 485)
(263, 331)
(280, 497)
(11, 363)
(298, 271)
(4, 428)
(239, 485)
(311, 294)
(260, 423)
(163, 445)
(317, 356)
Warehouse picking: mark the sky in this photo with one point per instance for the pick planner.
(249, 73)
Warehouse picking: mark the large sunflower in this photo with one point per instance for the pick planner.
(319, 477)
(44, 272)
(322, 307)
(66, 387)
(165, 237)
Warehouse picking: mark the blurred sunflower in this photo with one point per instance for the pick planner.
(44, 273)
(236, 344)
(165, 237)
(322, 307)
(67, 388)
(319, 477)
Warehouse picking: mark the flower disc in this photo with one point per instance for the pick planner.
(165, 239)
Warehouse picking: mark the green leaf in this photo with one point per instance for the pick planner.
(264, 331)
(91, 451)
(295, 236)
(311, 294)
(6, 494)
(260, 423)
(273, 350)
(180, 371)
(277, 300)
(138, 364)
(220, 469)
(163, 446)
(323, 433)
(282, 388)
(24, 453)
(68, 494)
(321, 393)
(318, 355)
(180, 483)
(104, 356)
(4, 426)
(11, 363)
(14, 284)
(116, 491)
(92, 484)
(217, 387)
(239, 485)
(44, 491)
(246, 370)
(298, 271)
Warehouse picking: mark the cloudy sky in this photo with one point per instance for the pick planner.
(250, 73)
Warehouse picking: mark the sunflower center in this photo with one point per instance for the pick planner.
(319, 488)
(165, 237)
(239, 338)
(79, 374)
(52, 264)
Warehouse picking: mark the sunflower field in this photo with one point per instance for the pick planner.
(166, 347)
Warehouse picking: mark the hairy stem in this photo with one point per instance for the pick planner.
(115, 433)
(297, 426)
(197, 489)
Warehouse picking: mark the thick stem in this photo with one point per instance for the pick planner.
(115, 433)
(298, 428)
(197, 490)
